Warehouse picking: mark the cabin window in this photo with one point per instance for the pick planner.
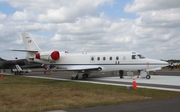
(110, 58)
(104, 58)
(117, 58)
(98, 58)
(92, 58)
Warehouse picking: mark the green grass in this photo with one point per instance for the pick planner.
(19, 93)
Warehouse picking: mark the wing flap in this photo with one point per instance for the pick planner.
(77, 68)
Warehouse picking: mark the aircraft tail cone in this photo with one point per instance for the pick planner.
(134, 84)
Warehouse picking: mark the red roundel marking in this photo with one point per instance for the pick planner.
(147, 64)
(37, 56)
(55, 55)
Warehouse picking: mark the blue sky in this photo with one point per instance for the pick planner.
(114, 12)
(105, 25)
(117, 10)
(6, 8)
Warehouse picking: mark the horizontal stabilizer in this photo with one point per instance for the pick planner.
(25, 50)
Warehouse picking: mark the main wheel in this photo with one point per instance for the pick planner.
(84, 76)
(148, 76)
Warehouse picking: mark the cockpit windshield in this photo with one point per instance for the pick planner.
(141, 56)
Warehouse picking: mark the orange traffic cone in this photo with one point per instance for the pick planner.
(134, 83)
(2, 75)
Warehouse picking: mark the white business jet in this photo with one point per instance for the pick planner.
(87, 63)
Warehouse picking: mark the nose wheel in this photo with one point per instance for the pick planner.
(148, 76)
(145, 74)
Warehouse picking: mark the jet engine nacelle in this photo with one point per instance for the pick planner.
(50, 56)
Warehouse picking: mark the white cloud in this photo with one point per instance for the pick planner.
(163, 18)
(20, 16)
(77, 26)
(2, 16)
(1, 26)
(150, 5)
(55, 11)
(161, 13)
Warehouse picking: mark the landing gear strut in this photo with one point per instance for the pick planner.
(121, 72)
(74, 76)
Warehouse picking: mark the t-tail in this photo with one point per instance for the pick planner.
(30, 46)
(29, 43)
(34, 52)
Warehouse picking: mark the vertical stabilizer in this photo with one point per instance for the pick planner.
(30, 46)
(29, 43)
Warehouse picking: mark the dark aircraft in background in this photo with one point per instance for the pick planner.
(23, 63)
(10, 64)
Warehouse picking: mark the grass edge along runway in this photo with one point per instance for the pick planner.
(19, 93)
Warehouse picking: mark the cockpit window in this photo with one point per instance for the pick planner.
(133, 56)
(141, 57)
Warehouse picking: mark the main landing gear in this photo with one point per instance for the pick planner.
(121, 72)
(75, 76)
(85, 75)
(18, 73)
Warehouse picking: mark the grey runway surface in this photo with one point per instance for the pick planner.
(165, 80)
(170, 105)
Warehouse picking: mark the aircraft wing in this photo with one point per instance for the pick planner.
(154, 69)
(74, 68)
(2, 59)
(33, 65)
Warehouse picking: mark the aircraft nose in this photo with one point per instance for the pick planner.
(163, 63)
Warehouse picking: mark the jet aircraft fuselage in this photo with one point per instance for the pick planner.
(87, 63)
